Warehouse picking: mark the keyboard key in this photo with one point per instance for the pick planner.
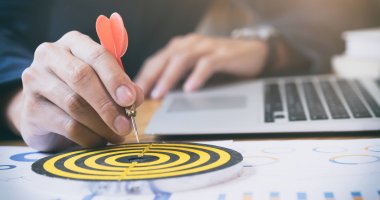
(279, 116)
(295, 108)
(355, 104)
(335, 105)
(369, 99)
(313, 102)
(273, 101)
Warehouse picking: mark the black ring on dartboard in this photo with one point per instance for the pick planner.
(235, 159)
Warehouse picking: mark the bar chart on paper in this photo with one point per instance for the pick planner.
(272, 170)
(304, 170)
(354, 195)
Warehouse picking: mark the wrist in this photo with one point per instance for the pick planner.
(268, 36)
(262, 55)
(13, 111)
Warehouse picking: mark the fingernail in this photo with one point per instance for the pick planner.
(121, 124)
(124, 95)
(189, 86)
(156, 93)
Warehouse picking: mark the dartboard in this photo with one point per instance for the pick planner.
(142, 161)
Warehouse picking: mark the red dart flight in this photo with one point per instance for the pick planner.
(113, 35)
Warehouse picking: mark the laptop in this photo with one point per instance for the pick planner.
(301, 104)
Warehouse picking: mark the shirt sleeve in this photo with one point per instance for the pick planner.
(15, 55)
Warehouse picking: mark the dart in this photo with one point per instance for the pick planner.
(113, 36)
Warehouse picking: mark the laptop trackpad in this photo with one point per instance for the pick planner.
(180, 104)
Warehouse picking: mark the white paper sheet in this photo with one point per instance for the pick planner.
(273, 170)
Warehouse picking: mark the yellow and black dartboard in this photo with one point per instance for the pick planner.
(142, 161)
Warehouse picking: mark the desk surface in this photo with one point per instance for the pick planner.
(147, 109)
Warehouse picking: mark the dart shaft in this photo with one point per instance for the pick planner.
(135, 129)
(131, 112)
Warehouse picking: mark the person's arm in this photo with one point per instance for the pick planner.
(305, 43)
(202, 56)
(282, 58)
(73, 92)
(213, 51)
(15, 56)
(67, 92)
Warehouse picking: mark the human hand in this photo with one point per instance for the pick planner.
(74, 92)
(203, 56)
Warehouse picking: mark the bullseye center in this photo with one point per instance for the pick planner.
(137, 159)
(142, 159)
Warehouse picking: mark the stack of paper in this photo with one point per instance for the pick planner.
(362, 55)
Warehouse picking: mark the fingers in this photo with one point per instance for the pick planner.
(82, 79)
(140, 96)
(74, 105)
(151, 71)
(164, 70)
(64, 125)
(204, 68)
(46, 117)
(204, 56)
(117, 83)
(80, 91)
(177, 67)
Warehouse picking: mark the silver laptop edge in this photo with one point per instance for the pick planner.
(243, 107)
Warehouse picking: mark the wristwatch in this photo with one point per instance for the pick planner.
(263, 33)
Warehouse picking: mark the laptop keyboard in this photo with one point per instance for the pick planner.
(313, 102)
(273, 101)
(334, 107)
(294, 104)
(370, 100)
(354, 103)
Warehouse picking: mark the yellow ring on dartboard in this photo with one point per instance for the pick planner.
(161, 159)
(60, 172)
(176, 165)
(70, 164)
(50, 163)
(92, 160)
(95, 165)
(224, 157)
(144, 170)
(203, 157)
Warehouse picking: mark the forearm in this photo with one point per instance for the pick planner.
(12, 111)
(282, 57)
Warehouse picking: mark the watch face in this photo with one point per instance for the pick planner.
(263, 32)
